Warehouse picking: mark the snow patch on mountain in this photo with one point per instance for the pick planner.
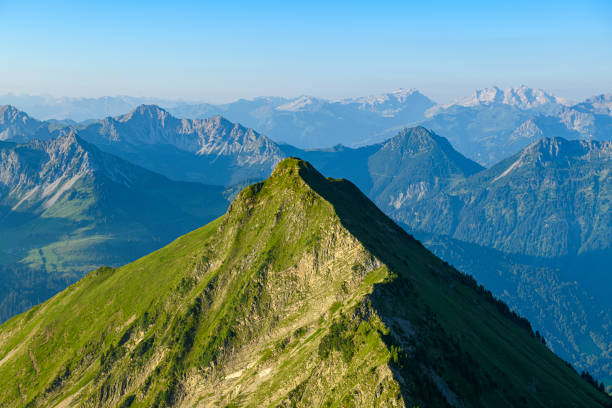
(400, 95)
(391, 103)
(523, 98)
(300, 104)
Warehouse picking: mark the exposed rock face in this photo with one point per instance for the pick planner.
(414, 165)
(213, 150)
(33, 179)
(548, 200)
(17, 125)
(69, 207)
(302, 294)
(35, 175)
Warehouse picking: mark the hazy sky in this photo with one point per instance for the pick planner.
(223, 50)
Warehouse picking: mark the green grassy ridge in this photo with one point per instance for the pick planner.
(304, 277)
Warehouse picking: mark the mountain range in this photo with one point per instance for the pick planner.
(493, 124)
(309, 122)
(303, 294)
(551, 199)
(523, 98)
(540, 215)
(303, 121)
(487, 126)
(210, 151)
(74, 110)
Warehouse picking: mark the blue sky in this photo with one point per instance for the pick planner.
(220, 51)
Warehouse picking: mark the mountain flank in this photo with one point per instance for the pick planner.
(548, 200)
(303, 294)
(68, 208)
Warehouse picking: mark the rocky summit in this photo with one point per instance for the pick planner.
(212, 151)
(303, 294)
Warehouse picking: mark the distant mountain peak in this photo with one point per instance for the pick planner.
(555, 151)
(412, 166)
(522, 97)
(532, 100)
(71, 137)
(385, 104)
(598, 104)
(16, 125)
(10, 114)
(418, 131)
(398, 95)
(416, 139)
(392, 103)
(145, 111)
(527, 130)
(301, 103)
(403, 92)
(220, 120)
